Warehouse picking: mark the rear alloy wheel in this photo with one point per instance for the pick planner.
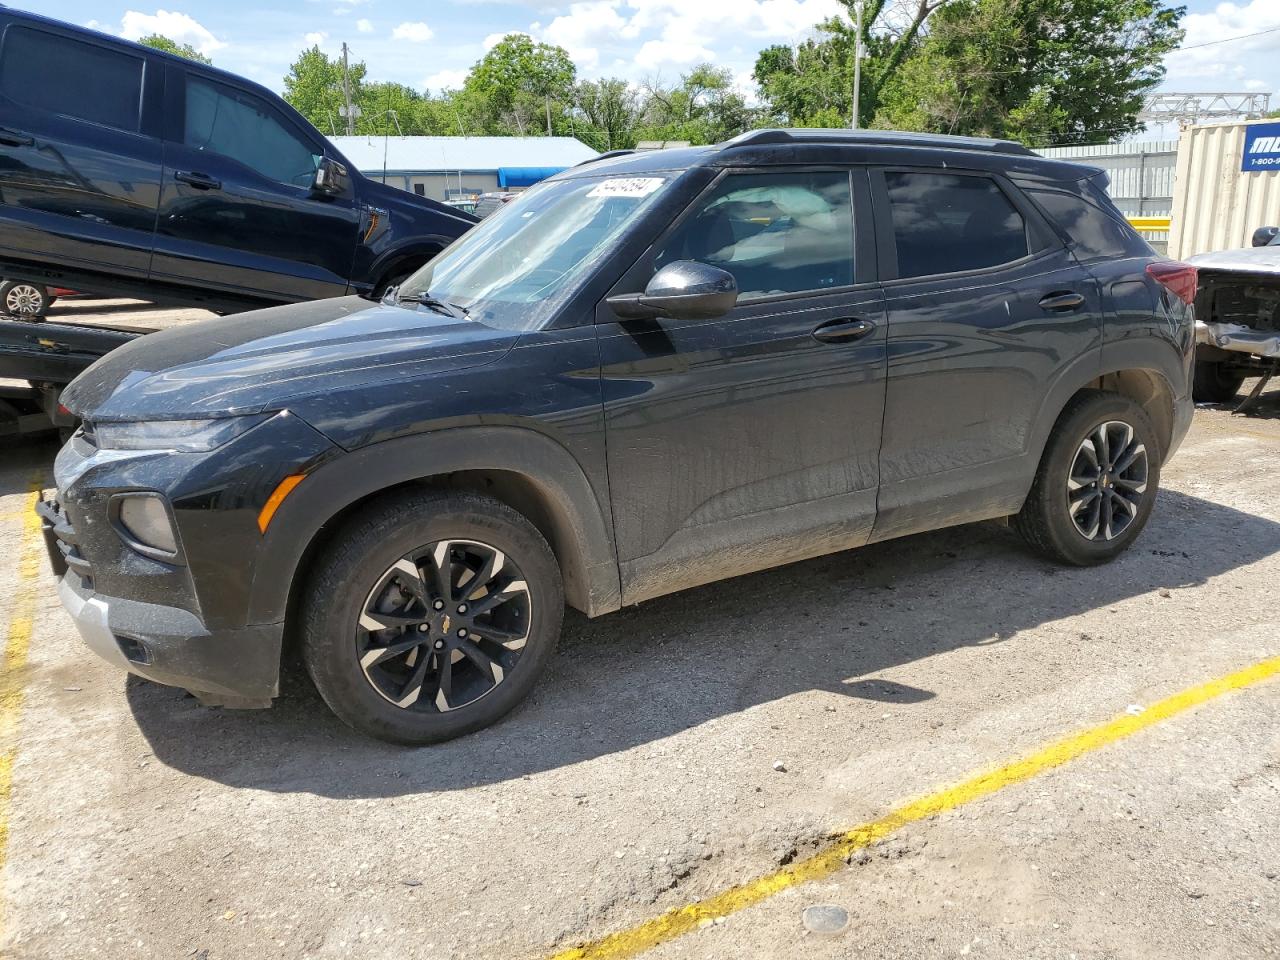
(431, 615)
(1107, 481)
(1096, 483)
(24, 299)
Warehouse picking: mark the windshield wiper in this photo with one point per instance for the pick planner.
(435, 303)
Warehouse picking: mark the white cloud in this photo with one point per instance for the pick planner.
(584, 28)
(414, 32)
(445, 80)
(176, 26)
(315, 39)
(656, 53)
(364, 26)
(493, 39)
(1253, 56)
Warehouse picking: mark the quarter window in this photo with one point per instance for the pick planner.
(1095, 234)
(944, 223)
(224, 120)
(72, 78)
(777, 233)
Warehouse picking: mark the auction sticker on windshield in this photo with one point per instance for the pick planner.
(626, 187)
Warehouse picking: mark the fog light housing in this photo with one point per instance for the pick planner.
(144, 523)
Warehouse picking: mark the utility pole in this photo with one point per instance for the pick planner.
(857, 60)
(346, 94)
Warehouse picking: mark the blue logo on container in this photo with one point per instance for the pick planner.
(1261, 147)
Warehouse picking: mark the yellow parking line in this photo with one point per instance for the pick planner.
(13, 677)
(677, 922)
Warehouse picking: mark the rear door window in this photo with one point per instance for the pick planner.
(227, 121)
(777, 233)
(947, 223)
(72, 78)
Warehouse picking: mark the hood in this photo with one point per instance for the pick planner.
(1251, 261)
(267, 359)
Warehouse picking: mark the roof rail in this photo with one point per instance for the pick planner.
(887, 137)
(604, 156)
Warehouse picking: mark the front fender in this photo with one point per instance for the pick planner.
(590, 574)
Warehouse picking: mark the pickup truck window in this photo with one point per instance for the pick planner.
(777, 233)
(68, 77)
(946, 223)
(238, 125)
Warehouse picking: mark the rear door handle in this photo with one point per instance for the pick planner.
(842, 331)
(14, 138)
(200, 181)
(1061, 300)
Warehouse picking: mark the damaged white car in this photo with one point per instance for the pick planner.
(1237, 319)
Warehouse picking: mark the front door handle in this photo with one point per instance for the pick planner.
(200, 181)
(842, 331)
(1061, 300)
(14, 138)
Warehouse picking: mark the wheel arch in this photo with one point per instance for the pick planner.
(528, 471)
(398, 258)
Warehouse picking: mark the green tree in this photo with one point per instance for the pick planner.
(609, 110)
(520, 78)
(702, 108)
(1040, 71)
(313, 86)
(811, 85)
(160, 42)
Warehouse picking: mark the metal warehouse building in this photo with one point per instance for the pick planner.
(444, 168)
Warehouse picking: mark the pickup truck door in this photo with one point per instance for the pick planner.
(752, 439)
(237, 212)
(80, 161)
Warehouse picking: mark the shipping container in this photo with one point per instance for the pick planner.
(1226, 185)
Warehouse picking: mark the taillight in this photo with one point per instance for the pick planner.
(1178, 278)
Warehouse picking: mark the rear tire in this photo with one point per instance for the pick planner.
(1096, 483)
(24, 299)
(1215, 382)
(468, 651)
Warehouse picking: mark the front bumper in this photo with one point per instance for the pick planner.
(172, 646)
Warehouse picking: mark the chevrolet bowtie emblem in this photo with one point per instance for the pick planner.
(445, 626)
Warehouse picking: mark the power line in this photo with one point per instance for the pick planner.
(1243, 36)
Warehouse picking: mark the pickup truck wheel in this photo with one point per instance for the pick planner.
(24, 299)
(1096, 483)
(431, 615)
(1214, 382)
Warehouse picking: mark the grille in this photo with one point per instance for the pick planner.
(60, 541)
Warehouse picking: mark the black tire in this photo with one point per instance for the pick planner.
(24, 299)
(397, 277)
(1215, 382)
(1046, 521)
(365, 553)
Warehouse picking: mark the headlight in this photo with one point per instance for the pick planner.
(181, 436)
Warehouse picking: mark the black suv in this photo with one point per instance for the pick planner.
(128, 171)
(650, 372)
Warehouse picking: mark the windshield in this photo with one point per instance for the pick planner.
(515, 268)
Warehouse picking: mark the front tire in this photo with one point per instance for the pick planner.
(431, 615)
(1096, 483)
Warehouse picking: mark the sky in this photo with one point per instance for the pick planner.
(430, 44)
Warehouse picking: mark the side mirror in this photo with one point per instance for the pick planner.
(684, 290)
(1263, 236)
(331, 177)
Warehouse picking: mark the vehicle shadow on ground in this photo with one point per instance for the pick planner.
(831, 624)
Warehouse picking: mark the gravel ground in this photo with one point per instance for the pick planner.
(641, 773)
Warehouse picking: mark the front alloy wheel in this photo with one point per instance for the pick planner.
(24, 299)
(430, 614)
(1107, 481)
(444, 626)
